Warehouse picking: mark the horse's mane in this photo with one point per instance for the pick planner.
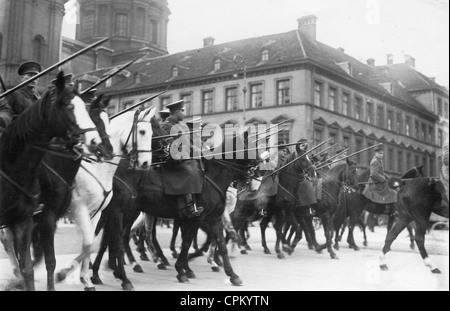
(414, 172)
(26, 127)
(335, 172)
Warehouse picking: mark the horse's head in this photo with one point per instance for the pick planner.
(350, 173)
(99, 115)
(69, 114)
(132, 133)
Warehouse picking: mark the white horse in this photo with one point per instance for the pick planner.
(131, 136)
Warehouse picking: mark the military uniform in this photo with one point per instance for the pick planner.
(183, 178)
(377, 190)
(14, 104)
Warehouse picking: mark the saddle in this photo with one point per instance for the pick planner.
(380, 194)
(182, 178)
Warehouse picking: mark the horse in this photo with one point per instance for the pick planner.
(418, 197)
(151, 200)
(352, 204)
(59, 113)
(130, 136)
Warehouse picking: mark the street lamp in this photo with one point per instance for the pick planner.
(239, 59)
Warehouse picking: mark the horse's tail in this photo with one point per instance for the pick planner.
(101, 224)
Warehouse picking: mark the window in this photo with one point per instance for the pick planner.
(332, 101)
(370, 112)
(283, 92)
(122, 24)
(440, 110)
(358, 108)
(416, 160)
(399, 125)
(408, 161)
(164, 100)
(175, 72)
(380, 116)
(390, 120)
(128, 104)
(256, 95)
(390, 159)
(424, 132)
(432, 167)
(334, 138)
(440, 138)
(187, 98)
(400, 162)
(38, 49)
(318, 136)
(88, 24)
(284, 134)
(317, 94)
(103, 20)
(265, 56)
(108, 82)
(154, 31)
(408, 126)
(346, 140)
(358, 146)
(417, 129)
(345, 104)
(140, 31)
(446, 109)
(430, 134)
(217, 64)
(231, 98)
(208, 101)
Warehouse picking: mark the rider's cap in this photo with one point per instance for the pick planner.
(379, 148)
(164, 113)
(67, 78)
(29, 67)
(174, 106)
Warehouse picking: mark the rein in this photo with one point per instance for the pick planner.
(133, 153)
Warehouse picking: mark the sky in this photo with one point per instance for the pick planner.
(364, 28)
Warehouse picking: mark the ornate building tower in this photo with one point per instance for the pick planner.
(29, 30)
(138, 26)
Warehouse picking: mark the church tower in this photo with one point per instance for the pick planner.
(29, 30)
(137, 25)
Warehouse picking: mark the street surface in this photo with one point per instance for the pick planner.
(304, 270)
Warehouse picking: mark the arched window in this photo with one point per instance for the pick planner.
(265, 55)
(38, 49)
(122, 24)
(154, 31)
(175, 72)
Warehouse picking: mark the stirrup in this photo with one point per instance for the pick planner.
(197, 210)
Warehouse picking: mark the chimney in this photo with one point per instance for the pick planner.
(307, 26)
(390, 59)
(208, 41)
(410, 61)
(371, 62)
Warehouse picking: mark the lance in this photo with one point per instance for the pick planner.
(269, 128)
(286, 145)
(365, 149)
(58, 64)
(176, 135)
(304, 154)
(329, 160)
(136, 105)
(110, 75)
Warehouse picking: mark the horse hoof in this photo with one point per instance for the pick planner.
(281, 256)
(144, 257)
(267, 252)
(89, 289)
(183, 279)
(365, 243)
(356, 248)
(61, 275)
(336, 247)
(311, 246)
(412, 246)
(138, 269)
(166, 263)
(236, 281)
(334, 256)
(162, 266)
(215, 269)
(175, 255)
(244, 252)
(127, 286)
(96, 280)
(436, 271)
(190, 275)
(384, 267)
(247, 247)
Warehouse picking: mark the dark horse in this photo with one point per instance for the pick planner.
(417, 199)
(22, 148)
(59, 168)
(150, 199)
(352, 203)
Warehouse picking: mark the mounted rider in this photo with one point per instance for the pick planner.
(14, 104)
(378, 190)
(181, 177)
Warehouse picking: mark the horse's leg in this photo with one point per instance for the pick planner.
(263, 226)
(328, 231)
(7, 239)
(150, 223)
(217, 234)
(175, 228)
(188, 230)
(95, 279)
(47, 227)
(350, 237)
(126, 244)
(410, 228)
(421, 228)
(278, 226)
(295, 227)
(22, 233)
(392, 234)
(363, 228)
(210, 258)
